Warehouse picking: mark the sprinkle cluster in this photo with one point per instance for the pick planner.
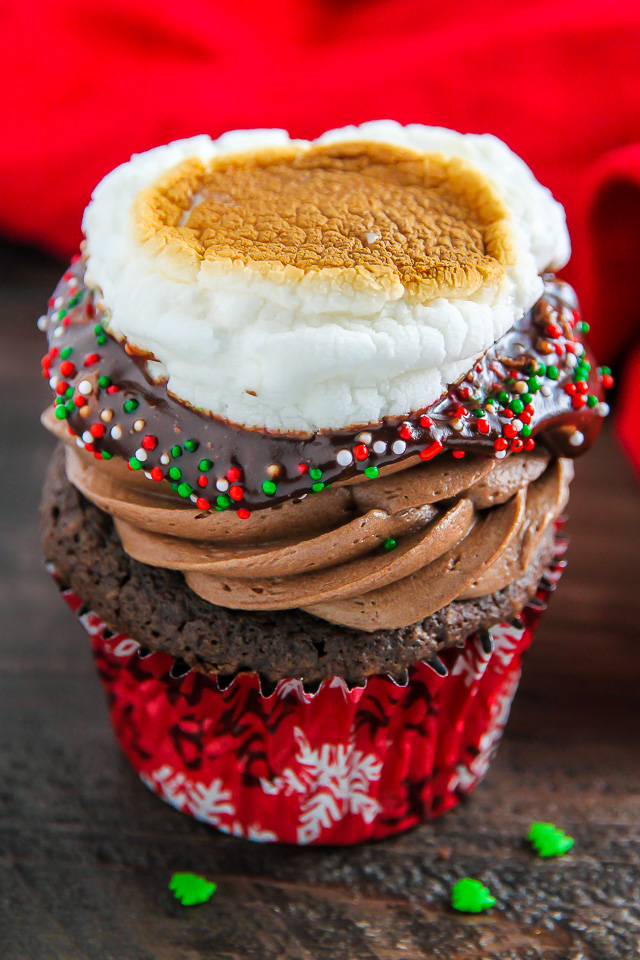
(495, 410)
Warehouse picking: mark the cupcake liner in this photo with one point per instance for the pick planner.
(336, 766)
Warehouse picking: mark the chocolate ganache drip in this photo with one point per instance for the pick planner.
(537, 386)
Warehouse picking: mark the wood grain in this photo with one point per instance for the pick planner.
(86, 852)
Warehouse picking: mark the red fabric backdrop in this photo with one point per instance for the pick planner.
(86, 84)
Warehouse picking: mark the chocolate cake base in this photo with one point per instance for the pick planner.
(156, 607)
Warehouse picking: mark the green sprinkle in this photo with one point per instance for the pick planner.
(317, 487)
(591, 400)
(526, 398)
(315, 473)
(130, 405)
(70, 406)
(176, 451)
(102, 339)
(205, 465)
(605, 371)
(526, 430)
(174, 486)
(534, 384)
(371, 472)
(478, 412)
(190, 889)
(175, 473)
(553, 372)
(269, 487)
(98, 328)
(582, 326)
(61, 315)
(66, 352)
(390, 544)
(69, 393)
(75, 300)
(191, 445)
(61, 413)
(58, 401)
(517, 405)
(135, 464)
(504, 397)
(185, 490)
(471, 896)
(548, 840)
(104, 381)
(223, 501)
(106, 455)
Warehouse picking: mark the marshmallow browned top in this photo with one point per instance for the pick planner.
(297, 286)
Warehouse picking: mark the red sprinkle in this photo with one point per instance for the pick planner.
(244, 514)
(233, 475)
(79, 400)
(570, 347)
(575, 316)
(236, 493)
(570, 388)
(112, 388)
(426, 421)
(483, 425)
(406, 431)
(429, 452)
(458, 454)
(529, 444)
(303, 467)
(157, 474)
(525, 416)
(500, 444)
(91, 358)
(553, 331)
(509, 431)
(607, 381)
(62, 386)
(149, 442)
(46, 360)
(582, 387)
(96, 430)
(517, 445)
(67, 369)
(578, 401)
(460, 412)
(90, 447)
(202, 481)
(509, 414)
(528, 409)
(361, 451)
(202, 504)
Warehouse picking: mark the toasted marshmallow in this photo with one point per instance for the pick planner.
(296, 285)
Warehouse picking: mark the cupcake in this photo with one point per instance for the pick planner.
(317, 405)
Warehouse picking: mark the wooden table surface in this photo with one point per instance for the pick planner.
(86, 852)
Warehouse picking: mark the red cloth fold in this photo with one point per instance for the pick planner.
(85, 85)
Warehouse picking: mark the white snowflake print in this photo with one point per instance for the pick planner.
(253, 832)
(505, 641)
(466, 776)
(333, 781)
(207, 802)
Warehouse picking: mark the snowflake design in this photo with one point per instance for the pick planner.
(466, 776)
(207, 802)
(506, 640)
(253, 832)
(332, 781)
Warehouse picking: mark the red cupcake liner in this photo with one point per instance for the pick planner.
(337, 766)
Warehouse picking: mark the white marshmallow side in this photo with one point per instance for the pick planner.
(315, 357)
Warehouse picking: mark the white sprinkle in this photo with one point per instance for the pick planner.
(576, 439)
(57, 303)
(138, 425)
(106, 415)
(147, 475)
(602, 409)
(578, 349)
(86, 436)
(371, 237)
(222, 484)
(53, 381)
(116, 432)
(379, 446)
(344, 457)
(58, 331)
(79, 443)
(193, 497)
(500, 454)
(73, 283)
(364, 438)
(165, 458)
(518, 424)
(42, 322)
(456, 423)
(545, 390)
(399, 446)
(85, 388)
(141, 455)
(571, 360)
